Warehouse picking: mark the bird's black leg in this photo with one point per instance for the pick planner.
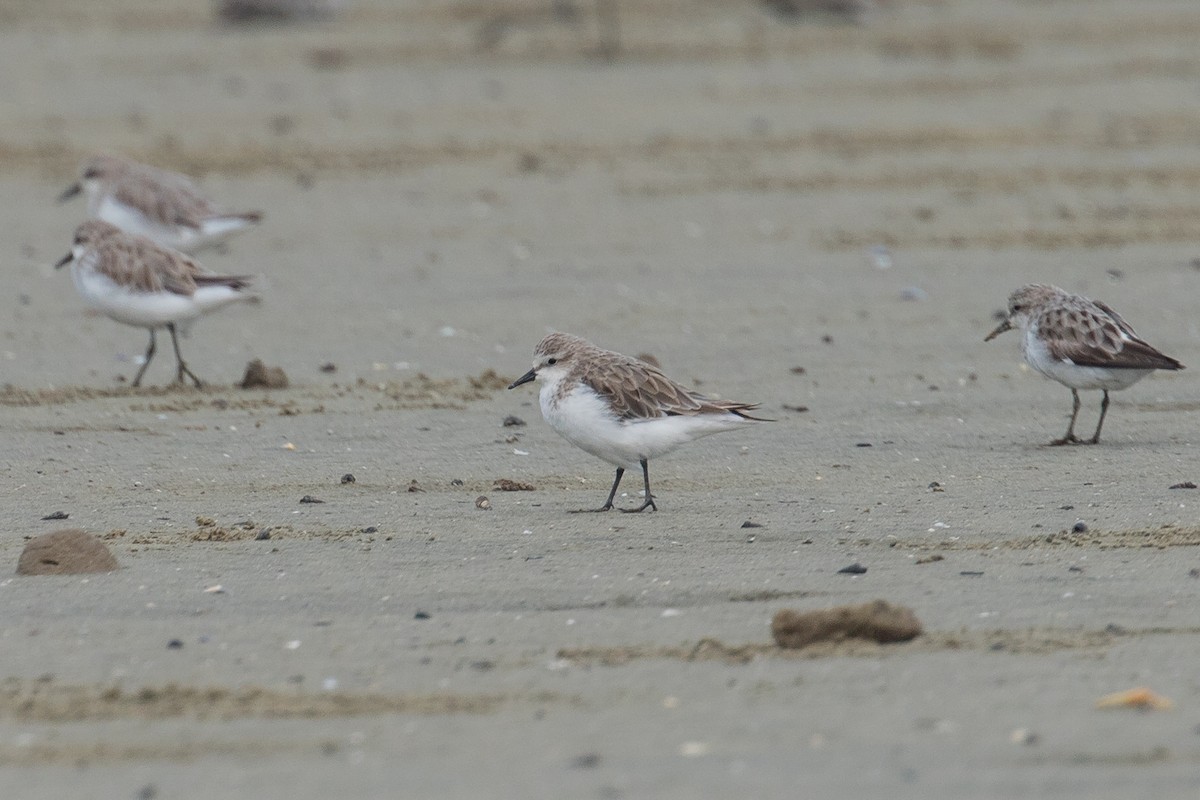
(607, 503)
(1070, 437)
(181, 368)
(649, 497)
(1103, 410)
(137, 379)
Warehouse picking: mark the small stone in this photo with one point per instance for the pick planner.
(347, 478)
(328, 366)
(930, 559)
(175, 644)
(853, 569)
(749, 524)
(308, 498)
(513, 422)
(483, 503)
(421, 615)
(1079, 527)
(259, 376)
(66, 552)
(263, 535)
(1184, 485)
(586, 761)
(1024, 736)
(56, 515)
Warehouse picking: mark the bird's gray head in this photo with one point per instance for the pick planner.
(1023, 305)
(553, 358)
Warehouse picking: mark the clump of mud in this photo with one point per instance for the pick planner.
(877, 621)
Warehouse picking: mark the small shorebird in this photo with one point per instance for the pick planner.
(160, 205)
(622, 410)
(135, 281)
(1081, 343)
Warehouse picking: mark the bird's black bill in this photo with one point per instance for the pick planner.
(526, 378)
(71, 191)
(1001, 328)
(62, 262)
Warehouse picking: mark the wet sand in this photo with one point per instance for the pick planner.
(446, 182)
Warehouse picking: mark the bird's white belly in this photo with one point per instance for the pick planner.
(584, 419)
(1038, 356)
(143, 309)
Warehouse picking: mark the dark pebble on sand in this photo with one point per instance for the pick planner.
(970, 573)
(328, 366)
(175, 644)
(263, 535)
(347, 478)
(370, 529)
(863, 444)
(586, 761)
(1184, 485)
(421, 615)
(853, 569)
(513, 422)
(57, 515)
(749, 524)
(1079, 527)
(308, 498)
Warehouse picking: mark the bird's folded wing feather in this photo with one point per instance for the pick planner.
(1099, 338)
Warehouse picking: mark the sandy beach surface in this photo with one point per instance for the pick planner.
(818, 215)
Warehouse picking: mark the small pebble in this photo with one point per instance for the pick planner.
(749, 524)
(513, 422)
(853, 569)
(421, 615)
(347, 478)
(308, 498)
(57, 515)
(262, 535)
(483, 503)
(175, 644)
(1079, 527)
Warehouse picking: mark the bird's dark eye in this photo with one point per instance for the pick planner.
(1017, 308)
(551, 361)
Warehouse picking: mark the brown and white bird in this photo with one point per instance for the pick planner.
(163, 206)
(135, 281)
(621, 409)
(1081, 343)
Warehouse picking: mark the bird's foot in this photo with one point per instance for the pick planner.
(605, 507)
(1070, 438)
(648, 504)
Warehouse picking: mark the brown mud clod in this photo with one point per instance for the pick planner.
(877, 621)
